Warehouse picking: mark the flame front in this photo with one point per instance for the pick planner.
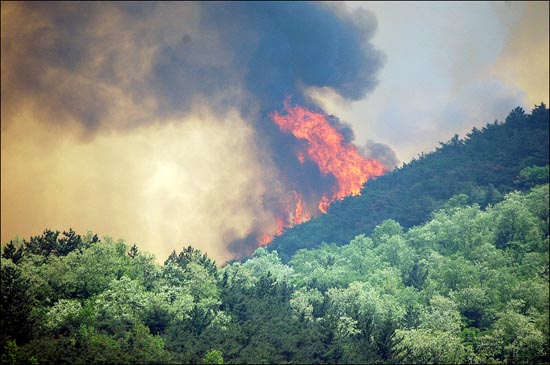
(300, 212)
(282, 222)
(327, 148)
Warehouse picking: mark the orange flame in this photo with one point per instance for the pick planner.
(328, 149)
(265, 239)
(300, 215)
(324, 203)
(280, 225)
(292, 217)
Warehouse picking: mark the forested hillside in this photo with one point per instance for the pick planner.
(464, 282)
(485, 165)
(469, 286)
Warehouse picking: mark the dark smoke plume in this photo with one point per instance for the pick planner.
(84, 62)
(381, 152)
(208, 51)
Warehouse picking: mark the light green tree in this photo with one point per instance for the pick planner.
(124, 303)
(513, 338)
(64, 316)
(213, 357)
(442, 314)
(430, 346)
(265, 263)
(303, 301)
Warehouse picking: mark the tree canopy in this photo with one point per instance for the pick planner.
(466, 281)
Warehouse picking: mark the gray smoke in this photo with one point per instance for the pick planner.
(117, 65)
(381, 152)
(241, 54)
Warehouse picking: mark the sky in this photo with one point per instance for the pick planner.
(150, 122)
(449, 66)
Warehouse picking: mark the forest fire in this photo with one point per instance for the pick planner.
(294, 212)
(300, 212)
(324, 145)
(266, 238)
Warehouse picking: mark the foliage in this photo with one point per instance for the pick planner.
(213, 357)
(469, 283)
(483, 167)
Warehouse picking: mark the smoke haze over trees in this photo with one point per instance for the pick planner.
(90, 72)
(484, 166)
(248, 155)
(470, 278)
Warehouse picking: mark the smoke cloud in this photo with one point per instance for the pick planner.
(381, 152)
(526, 54)
(84, 60)
(148, 121)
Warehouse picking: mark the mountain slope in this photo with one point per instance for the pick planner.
(468, 286)
(484, 166)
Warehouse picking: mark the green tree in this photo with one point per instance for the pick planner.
(16, 304)
(430, 346)
(516, 226)
(514, 338)
(122, 305)
(63, 317)
(303, 303)
(532, 176)
(213, 357)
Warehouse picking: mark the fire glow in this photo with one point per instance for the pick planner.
(324, 145)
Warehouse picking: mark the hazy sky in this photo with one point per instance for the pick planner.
(147, 122)
(450, 66)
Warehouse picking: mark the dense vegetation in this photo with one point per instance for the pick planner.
(468, 285)
(485, 165)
